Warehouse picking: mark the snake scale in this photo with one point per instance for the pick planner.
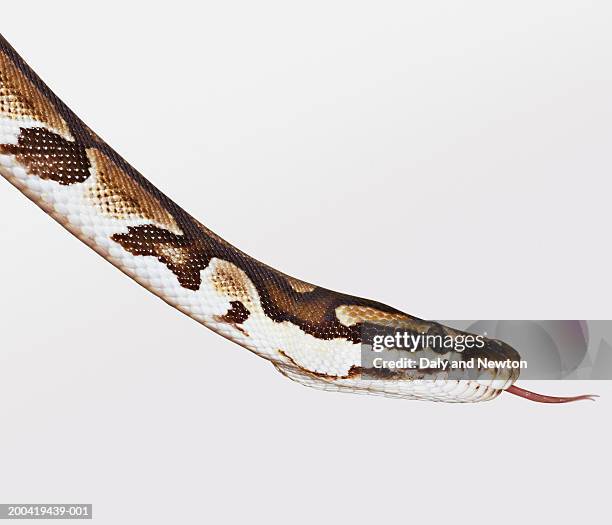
(310, 334)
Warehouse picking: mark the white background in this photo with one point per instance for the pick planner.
(449, 158)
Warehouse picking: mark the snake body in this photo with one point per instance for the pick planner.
(310, 334)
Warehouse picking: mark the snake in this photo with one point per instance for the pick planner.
(310, 334)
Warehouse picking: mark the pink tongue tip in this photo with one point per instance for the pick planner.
(541, 398)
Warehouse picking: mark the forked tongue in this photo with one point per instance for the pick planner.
(541, 398)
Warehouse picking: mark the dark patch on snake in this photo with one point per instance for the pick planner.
(188, 254)
(175, 251)
(237, 314)
(50, 156)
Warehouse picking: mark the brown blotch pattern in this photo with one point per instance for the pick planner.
(170, 249)
(117, 195)
(21, 100)
(312, 309)
(237, 314)
(50, 156)
(188, 254)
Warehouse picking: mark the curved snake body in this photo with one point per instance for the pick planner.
(310, 334)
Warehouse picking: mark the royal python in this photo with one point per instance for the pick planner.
(310, 334)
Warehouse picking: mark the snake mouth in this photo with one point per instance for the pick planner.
(393, 352)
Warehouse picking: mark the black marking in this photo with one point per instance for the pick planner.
(50, 156)
(237, 314)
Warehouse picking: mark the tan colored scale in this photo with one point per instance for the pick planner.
(116, 194)
(350, 315)
(300, 286)
(21, 100)
(232, 282)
